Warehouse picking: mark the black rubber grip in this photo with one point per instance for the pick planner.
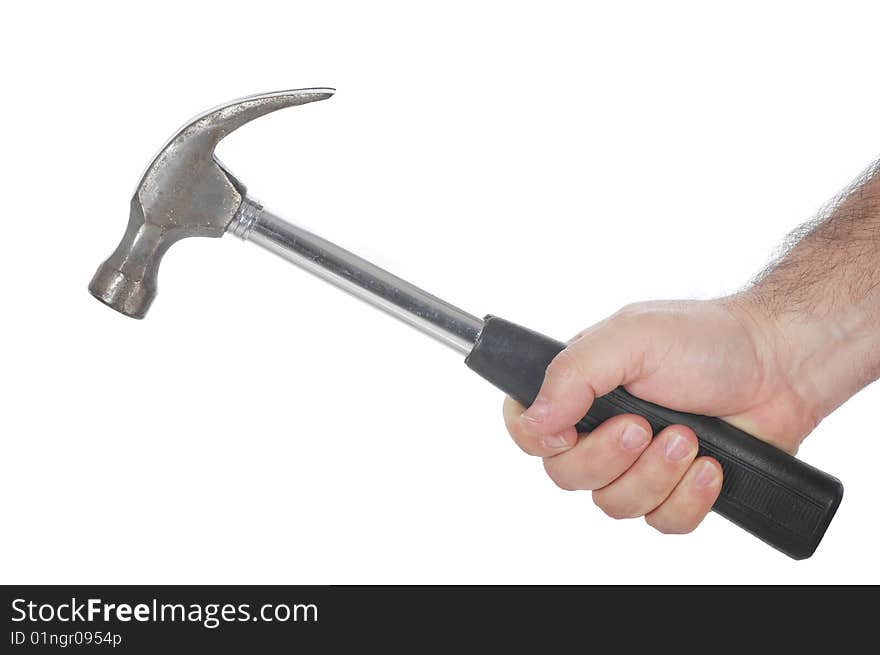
(778, 498)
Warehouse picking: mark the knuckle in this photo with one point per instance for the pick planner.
(513, 426)
(527, 443)
(557, 478)
(613, 508)
(575, 474)
(510, 408)
(656, 485)
(654, 493)
(667, 526)
(563, 366)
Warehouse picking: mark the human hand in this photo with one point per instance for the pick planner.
(772, 360)
(726, 358)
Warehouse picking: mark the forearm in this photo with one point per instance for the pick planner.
(818, 304)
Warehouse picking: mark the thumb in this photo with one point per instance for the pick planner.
(598, 360)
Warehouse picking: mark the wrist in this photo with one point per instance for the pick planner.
(825, 357)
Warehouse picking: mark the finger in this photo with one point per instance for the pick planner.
(600, 359)
(534, 443)
(563, 400)
(691, 499)
(601, 456)
(653, 477)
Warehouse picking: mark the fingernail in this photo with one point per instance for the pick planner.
(554, 441)
(538, 411)
(677, 447)
(633, 436)
(706, 475)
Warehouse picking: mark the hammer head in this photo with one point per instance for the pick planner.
(185, 192)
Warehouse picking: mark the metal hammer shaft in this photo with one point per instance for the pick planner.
(433, 316)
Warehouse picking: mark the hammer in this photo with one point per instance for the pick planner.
(187, 192)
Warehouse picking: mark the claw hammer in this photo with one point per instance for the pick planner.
(187, 192)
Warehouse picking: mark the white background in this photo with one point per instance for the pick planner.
(547, 162)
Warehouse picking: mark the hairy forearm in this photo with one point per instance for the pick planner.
(818, 303)
(830, 267)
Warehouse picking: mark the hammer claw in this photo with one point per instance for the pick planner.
(230, 116)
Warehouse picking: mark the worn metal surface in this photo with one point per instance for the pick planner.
(184, 192)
